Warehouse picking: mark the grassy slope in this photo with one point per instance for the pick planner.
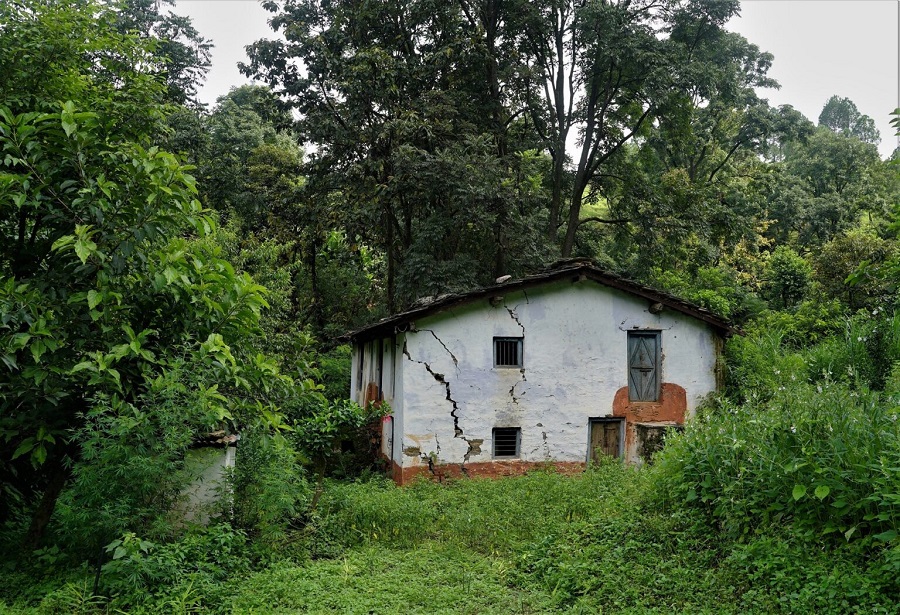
(541, 543)
(535, 544)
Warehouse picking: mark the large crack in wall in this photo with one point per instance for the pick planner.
(439, 341)
(515, 317)
(457, 431)
(473, 445)
(512, 389)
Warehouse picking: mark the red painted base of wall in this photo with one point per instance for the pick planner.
(671, 407)
(487, 469)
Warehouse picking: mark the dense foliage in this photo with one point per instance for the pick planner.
(168, 271)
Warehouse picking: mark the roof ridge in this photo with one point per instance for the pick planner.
(555, 271)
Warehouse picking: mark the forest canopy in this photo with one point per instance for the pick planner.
(169, 270)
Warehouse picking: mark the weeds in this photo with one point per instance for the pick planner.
(780, 498)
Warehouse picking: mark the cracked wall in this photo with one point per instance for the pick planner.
(448, 396)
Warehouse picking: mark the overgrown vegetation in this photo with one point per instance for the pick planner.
(167, 271)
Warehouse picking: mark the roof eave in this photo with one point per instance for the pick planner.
(389, 326)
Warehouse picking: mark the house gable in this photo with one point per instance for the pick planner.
(574, 272)
(450, 398)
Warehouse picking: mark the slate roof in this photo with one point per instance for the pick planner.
(574, 270)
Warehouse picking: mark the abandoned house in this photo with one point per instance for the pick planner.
(554, 368)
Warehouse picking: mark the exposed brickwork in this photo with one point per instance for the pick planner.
(671, 407)
(487, 469)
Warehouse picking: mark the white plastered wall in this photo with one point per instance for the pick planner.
(365, 370)
(574, 356)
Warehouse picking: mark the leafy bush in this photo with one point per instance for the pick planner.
(863, 354)
(715, 288)
(207, 556)
(787, 277)
(807, 323)
(779, 573)
(131, 469)
(816, 456)
(797, 468)
(755, 363)
(271, 490)
(841, 257)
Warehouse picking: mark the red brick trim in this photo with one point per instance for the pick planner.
(486, 469)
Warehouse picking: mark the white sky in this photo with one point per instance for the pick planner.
(822, 47)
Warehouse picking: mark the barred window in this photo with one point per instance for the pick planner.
(506, 441)
(507, 352)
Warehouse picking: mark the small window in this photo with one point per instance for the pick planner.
(506, 441)
(507, 352)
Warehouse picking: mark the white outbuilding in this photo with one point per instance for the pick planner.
(551, 369)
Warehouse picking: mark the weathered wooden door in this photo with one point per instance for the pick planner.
(606, 438)
(643, 366)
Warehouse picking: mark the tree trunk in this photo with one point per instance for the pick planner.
(311, 258)
(391, 291)
(556, 192)
(44, 511)
(574, 214)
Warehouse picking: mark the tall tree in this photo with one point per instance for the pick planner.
(683, 184)
(601, 69)
(432, 119)
(406, 133)
(840, 115)
(609, 70)
(104, 288)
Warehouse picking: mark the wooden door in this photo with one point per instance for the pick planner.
(643, 366)
(606, 438)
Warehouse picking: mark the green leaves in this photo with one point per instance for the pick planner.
(37, 445)
(821, 492)
(68, 118)
(83, 244)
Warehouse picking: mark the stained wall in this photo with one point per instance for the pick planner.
(447, 396)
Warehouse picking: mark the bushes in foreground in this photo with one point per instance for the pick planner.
(780, 498)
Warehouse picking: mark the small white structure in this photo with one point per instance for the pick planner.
(207, 462)
(555, 368)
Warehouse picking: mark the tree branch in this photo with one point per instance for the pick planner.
(603, 221)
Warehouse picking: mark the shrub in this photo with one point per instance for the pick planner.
(271, 492)
(787, 277)
(807, 323)
(818, 457)
(841, 257)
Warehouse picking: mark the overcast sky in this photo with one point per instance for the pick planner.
(822, 47)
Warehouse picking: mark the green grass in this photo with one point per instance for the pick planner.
(542, 543)
(783, 499)
(433, 577)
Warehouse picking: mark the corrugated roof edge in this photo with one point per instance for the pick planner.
(559, 271)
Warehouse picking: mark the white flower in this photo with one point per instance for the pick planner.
(793, 429)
